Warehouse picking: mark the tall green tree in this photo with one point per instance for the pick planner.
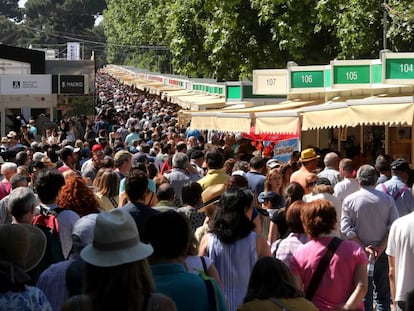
(226, 40)
(186, 32)
(134, 29)
(400, 17)
(10, 9)
(59, 21)
(10, 33)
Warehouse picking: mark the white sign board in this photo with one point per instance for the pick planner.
(270, 82)
(10, 67)
(73, 50)
(25, 84)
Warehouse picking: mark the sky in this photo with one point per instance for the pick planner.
(21, 3)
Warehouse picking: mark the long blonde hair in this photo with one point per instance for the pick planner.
(108, 183)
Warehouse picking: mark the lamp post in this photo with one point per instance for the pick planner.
(384, 25)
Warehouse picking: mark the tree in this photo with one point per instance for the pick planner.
(186, 33)
(401, 23)
(10, 33)
(227, 40)
(70, 19)
(134, 30)
(10, 9)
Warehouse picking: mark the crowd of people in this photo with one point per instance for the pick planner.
(133, 211)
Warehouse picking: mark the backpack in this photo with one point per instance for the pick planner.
(47, 222)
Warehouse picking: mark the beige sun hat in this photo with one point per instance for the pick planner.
(211, 196)
(115, 241)
(22, 244)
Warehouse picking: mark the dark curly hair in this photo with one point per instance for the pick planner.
(78, 197)
(230, 222)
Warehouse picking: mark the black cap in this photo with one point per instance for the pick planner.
(400, 164)
(196, 154)
(323, 181)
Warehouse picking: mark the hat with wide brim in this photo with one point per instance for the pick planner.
(309, 155)
(116, 241)
(211, 196)
(22, 244)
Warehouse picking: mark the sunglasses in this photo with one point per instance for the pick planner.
(311, 184)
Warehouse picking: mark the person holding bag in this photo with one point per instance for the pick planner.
(331, 272)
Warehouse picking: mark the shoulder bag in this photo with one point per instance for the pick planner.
(321, 268)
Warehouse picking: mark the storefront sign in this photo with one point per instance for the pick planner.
(270, 82)
(398, 68)
(73, 84)
(309, 78)
(284, 149)
(353, 74)
(25, 84)
(73, 49)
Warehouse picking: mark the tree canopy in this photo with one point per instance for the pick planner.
(225, 40)
(228, 39)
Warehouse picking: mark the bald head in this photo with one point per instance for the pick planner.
(331, 160)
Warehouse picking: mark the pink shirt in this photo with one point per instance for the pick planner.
(337, 283)
(5, 188)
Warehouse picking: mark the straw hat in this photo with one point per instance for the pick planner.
(22, 244)
(308, 155)
(116, 241)
(211, 196)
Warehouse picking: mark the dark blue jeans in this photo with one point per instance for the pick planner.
(379, 286)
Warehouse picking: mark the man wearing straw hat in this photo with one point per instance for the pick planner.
(309, 160)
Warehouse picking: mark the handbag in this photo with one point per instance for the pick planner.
(211, 290)
(321, 268)
(280, 304)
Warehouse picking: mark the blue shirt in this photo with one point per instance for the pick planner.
(256, 181)
(31, 298)
(186, 289)
(368, 214)
(141, 213)
(52, 282)
(404, 200)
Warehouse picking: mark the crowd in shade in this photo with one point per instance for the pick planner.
(132, 210)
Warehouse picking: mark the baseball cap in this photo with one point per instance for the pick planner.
(139, 157)
(82, 232)
(273, 163)
(400, 164)
(122, 155)
(73, 149)
(97, 147)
